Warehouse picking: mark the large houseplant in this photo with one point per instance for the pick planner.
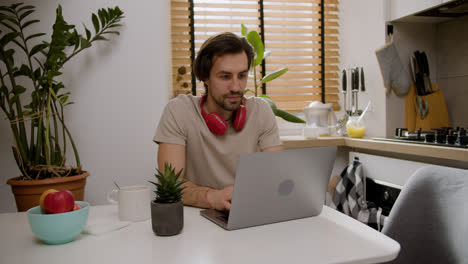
(167, 209)
(260, 54)
(29, 72)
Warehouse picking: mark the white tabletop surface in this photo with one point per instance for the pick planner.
(328, 238)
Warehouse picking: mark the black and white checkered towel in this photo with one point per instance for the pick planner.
(350, 196)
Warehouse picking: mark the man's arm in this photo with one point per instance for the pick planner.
(193, 194)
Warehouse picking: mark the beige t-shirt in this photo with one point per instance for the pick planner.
(212, 160)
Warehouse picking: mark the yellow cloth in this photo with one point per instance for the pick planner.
(437, 115)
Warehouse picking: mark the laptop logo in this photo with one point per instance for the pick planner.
(285, 187)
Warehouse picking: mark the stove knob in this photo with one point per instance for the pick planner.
(462, 140)
(450, 139)
(399, 132)
(429, 138)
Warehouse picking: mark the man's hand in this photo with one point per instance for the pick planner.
(220, 199)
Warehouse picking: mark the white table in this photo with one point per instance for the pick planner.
(329, 238)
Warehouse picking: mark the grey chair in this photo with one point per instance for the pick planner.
(430, 217)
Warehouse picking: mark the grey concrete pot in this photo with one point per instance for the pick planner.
(167, 219)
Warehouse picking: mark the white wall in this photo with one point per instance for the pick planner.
(120, 89)
(362, 31)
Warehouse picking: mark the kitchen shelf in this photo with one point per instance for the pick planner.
(457, 154)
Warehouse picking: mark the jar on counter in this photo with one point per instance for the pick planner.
(355, 127)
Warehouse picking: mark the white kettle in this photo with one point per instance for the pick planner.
(321, 120)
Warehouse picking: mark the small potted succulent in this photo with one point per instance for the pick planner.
(167, 209)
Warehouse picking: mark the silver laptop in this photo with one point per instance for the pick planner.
(277, 186)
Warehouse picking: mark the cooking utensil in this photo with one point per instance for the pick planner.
(413, 68)
(363, 85)
(355, 90)
(426, 73)
(344, 83)
(353, 77)
(364, 112)
(419, 75)
(422, 106)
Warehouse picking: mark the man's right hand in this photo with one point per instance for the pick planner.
(220, 199)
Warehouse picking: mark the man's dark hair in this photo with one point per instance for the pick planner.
(218, 45)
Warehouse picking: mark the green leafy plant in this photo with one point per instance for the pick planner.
(260, 54)
(168, 187)
(29, 71)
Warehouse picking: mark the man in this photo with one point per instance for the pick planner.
(205, 135)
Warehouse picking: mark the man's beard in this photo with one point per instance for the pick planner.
(227, 105)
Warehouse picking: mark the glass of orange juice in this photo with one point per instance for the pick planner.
(355, 127)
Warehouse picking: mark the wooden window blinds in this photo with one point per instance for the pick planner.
(292, 30)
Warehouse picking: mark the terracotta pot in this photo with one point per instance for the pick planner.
(27, 193)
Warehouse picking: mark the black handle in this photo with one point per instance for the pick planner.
(363, 85)
(344, 81)
(356, 79)
(425, 63)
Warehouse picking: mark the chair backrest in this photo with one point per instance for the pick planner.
(430, 217)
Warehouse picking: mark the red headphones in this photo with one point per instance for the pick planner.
(217, 124)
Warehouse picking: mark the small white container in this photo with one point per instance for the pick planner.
(322, 116)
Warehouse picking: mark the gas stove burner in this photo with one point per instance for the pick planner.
(444, 136)
(403, 133)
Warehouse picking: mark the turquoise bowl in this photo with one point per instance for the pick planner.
(58, 228)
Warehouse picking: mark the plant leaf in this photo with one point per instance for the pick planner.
(30, 22)
(88, 33)
(274, 75)
(8, 26)
(37, 48)
(63, 99)
(37, 73)
(95, 22)
(19, 90)
(244, 30)
(11, 19)
(7, 9)
(111, 32)
(102, 17)
(8, 37)
(34, 36)
(100, 38)
(26, 7)
(115, 25)
(254, 39)
(25, 14)
(20, 45)
(76, 40)
(270, 102)
(23, 71)
(289, 117)
(85, 43)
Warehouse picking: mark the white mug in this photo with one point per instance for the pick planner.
(134, 202)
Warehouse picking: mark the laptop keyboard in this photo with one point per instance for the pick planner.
(223, 216)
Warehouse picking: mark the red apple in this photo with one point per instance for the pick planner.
(44, 194)
(59, 202)
(76, 207)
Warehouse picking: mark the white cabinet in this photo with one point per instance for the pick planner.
(403, 8)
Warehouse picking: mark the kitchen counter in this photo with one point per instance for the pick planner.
(458, 154)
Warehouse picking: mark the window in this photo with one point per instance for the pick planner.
(291, 30)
